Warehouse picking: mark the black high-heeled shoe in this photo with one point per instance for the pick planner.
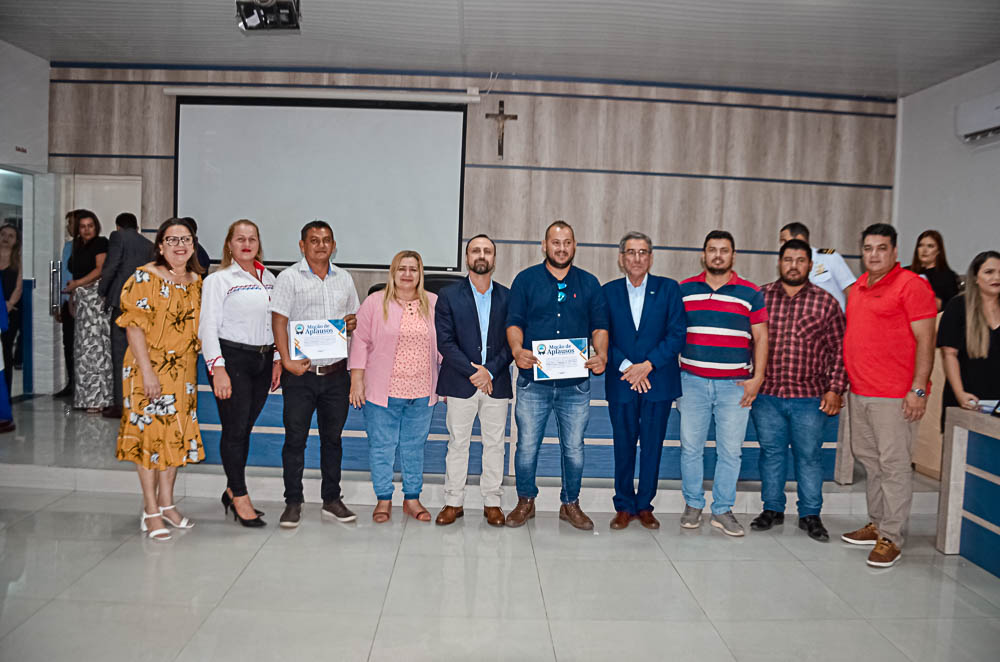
(249, 523)
(227, 503)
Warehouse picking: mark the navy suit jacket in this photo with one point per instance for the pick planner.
(660, 338)
(460, 343)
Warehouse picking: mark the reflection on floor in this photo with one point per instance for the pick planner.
(78, 582)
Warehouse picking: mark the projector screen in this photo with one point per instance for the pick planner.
(385, 176)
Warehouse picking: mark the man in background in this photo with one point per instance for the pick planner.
(127, 251)
(64, 316)
(829, 270)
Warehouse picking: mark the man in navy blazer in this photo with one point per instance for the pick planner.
(647, 332)
(475, 377)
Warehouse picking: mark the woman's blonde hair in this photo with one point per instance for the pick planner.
(227, 255)
(977, 329)
(390, 286)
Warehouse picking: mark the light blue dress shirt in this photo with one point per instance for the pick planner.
(636, 297)
(484, 302)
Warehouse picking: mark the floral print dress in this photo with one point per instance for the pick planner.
(163, 432)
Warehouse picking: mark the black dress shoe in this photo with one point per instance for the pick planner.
(64, 393)
(227, 503)
(813, 526)
(111, 412)
(766, 520)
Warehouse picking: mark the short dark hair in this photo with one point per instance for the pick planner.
(315, 225)
(796, 229)
(795, 245)
(719, 234)
(192, 223)
(480, 236)
(86, 213)
(192, 264)
(127, 220)
(880, 230)
(559, 224)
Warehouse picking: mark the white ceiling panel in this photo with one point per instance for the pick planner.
(864, 47)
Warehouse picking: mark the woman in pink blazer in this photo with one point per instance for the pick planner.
(394, 368)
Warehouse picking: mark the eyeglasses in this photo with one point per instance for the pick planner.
(560, 295)
(642, 252)
(186, 240)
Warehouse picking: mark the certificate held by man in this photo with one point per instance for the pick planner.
(564, 358)
(318, 339)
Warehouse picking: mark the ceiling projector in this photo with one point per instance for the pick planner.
(267, 15)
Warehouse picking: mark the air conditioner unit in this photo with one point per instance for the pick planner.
(977, 120)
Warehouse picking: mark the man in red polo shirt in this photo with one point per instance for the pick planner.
(889, 352)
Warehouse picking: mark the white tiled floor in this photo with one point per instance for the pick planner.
(79, 583)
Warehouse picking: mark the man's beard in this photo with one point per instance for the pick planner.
(557, 265)
(801, 280)
(718, 271)
(480, 267)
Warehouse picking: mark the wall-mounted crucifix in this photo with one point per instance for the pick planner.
(501, 118)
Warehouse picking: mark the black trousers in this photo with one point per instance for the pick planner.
(250, 374)
(68, 328)
(8, 338)
(119, 343)
(326, 395)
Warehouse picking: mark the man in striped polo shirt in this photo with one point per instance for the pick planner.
(721, 372)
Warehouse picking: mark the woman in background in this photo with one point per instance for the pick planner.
(159, 431)
(238, 347)
(969, 336)
(13, 287)
(394, 367)
(92, 327)
(930, 262)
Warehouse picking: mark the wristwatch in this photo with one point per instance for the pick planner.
(919, 392)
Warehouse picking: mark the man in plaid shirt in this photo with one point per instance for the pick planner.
(803, 385)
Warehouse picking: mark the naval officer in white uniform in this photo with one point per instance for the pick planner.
(829, 269)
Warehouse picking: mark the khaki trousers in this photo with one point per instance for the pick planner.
(462, 413)
(882, 440)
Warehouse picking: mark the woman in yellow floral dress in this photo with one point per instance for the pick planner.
(159, 431)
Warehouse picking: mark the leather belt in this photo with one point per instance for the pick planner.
(259, 349)
(321, 370)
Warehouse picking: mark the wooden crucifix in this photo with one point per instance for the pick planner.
(501, 118)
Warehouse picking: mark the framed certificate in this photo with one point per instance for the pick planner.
(564, 358)
(317, 339)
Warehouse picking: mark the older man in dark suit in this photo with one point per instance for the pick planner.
(475, 377)
(127, 251)
(647, 332)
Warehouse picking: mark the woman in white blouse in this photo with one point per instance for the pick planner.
(238, 347)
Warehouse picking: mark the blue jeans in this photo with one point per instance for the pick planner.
(571, 405)
(404, 423)
(798, 422)
(702, 400)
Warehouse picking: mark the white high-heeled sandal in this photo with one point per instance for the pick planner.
(185, 523)
(155, 534)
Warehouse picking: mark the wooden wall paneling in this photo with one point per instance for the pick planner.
(157, 181)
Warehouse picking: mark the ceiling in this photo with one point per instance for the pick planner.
(859, 47)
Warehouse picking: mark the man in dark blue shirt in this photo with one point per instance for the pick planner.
(554, 301)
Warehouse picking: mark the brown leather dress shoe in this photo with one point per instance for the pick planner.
(571, 512)
(647, 520)
(494, 516)
(449, 514)
(621, 520)
(524, 511)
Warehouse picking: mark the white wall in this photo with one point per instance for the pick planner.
(942, 183)
(24, 118)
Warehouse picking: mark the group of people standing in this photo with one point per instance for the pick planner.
(715, 344)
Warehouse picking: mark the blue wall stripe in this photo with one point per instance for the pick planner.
(60, 64)
(679, 175)
(983, 453)
(689, 249)
(980, 546)
(493, 92)
(982, 498)
(110, 156)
